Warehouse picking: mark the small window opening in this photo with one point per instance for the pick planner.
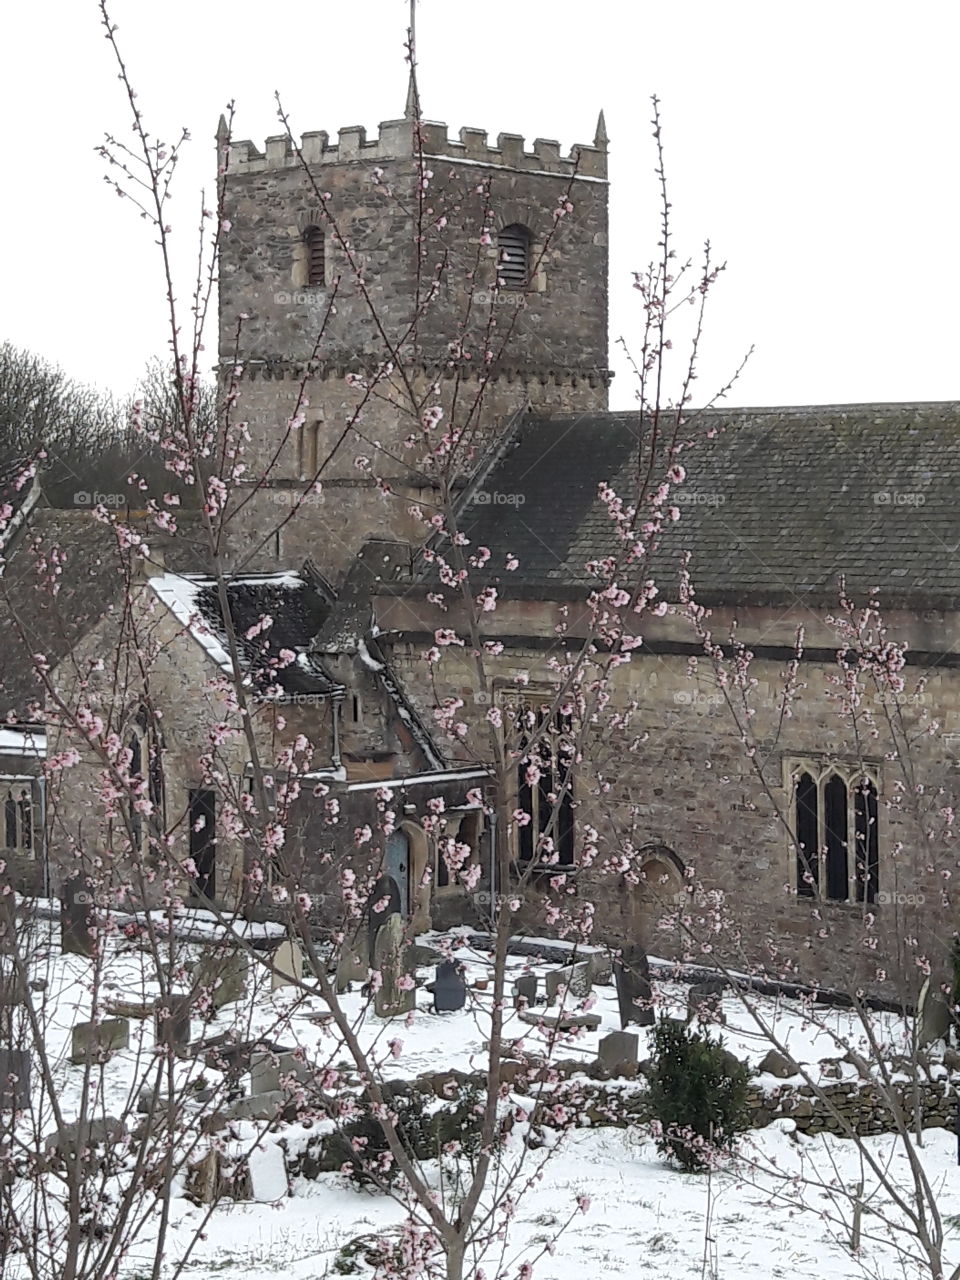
(513, 264)
(314, 240)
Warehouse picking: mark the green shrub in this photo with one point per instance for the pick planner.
(698, 1095)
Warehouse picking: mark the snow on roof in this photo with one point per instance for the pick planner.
(24, 741)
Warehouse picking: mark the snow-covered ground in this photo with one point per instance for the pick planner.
(644, 1218)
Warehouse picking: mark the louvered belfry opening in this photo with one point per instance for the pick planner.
(313, 238)
(513, 267)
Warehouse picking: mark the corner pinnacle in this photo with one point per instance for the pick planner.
(600, 140)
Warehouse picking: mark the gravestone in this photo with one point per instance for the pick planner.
(13, 990)
(77, 917)
(8, 920)
(450, 987)
(562, 1020)
(14, 1079)
(619, 1048)
(525, 991)
(75, 1138)
(172, 1022)
(577, 978)
(392, 960)
(934, 1019)
(705, 1001)
(287, 965)
(95, 1041)
(632, 975)
(272, 1071)
(351, 967)
(385, 888)
(222, 971)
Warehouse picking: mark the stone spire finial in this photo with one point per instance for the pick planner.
(410, 110)
(223, 132)
(600, 139)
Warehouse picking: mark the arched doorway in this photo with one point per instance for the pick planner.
(662, 888)
(396, 865)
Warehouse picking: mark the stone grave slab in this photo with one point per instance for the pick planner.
(351, 967)
(705, 1001)
(78, 917)
(449, 987)
(14, 1079)
(562, 1021)
(391, 958)
(223, 972)
(95, 1041)
(525, 991)
(270, 1071)
(575, 977)
(386, 889)
(632, 976)
(172, 1021)
(618, 1049)
(287, 965)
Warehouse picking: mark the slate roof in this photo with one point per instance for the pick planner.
(294, 603)
(778, 505)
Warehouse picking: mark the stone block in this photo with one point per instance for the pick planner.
(562, 1021)
(618, 1049)
(287, 965)
(269, 1070)
(95, 1041)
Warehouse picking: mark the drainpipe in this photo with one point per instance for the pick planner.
(493, 860)
(337, 708)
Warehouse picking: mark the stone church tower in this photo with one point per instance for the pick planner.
(443, 262)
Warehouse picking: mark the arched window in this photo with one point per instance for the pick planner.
(834, 808)
(513, 257)
(313, 239)
(146, 778)
(18, 826)
(544, 786)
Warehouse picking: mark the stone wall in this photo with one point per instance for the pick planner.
(679, 779)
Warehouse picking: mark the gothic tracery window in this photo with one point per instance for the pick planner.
(834, 816)
(544, 784)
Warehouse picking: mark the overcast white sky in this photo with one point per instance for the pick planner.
(815, 143)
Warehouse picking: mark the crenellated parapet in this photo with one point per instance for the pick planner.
(403, 139)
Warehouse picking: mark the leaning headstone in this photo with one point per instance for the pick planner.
(634, 993)
(77, 917)
(386, 891)
(223, 973)
(601, 968)
(272, 1071)
(172, 1022)
(14, 1079)
(395, 996)
(287, 963)
(935, 1021)
(8, 920)
(576, 978)
(95, 1041)
(525, 991)
(705, 1001)
(617, 1049)
(351, 967)
(449, 988)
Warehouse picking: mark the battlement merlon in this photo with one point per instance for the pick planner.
(396, 141)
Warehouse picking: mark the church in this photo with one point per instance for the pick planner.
(413, 341)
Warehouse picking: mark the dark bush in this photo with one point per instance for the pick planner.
(698, 1095)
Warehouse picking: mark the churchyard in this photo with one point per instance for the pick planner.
(234, 1062)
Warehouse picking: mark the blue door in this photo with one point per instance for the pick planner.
(396, 864)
